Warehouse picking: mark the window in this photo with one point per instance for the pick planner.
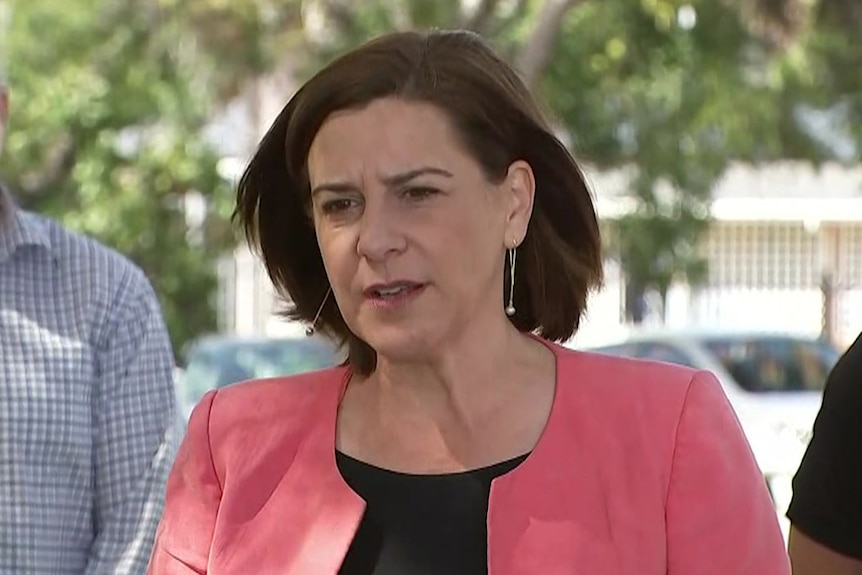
(217, 363)
(762, 256)
(623, 350)
(656, 351)
(849, 253)
(653, 351)
(772, 364)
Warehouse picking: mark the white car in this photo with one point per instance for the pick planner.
(774, 382)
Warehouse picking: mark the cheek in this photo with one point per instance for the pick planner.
(337, 249)
(468, 250)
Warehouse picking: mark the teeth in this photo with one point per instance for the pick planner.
(391, 291)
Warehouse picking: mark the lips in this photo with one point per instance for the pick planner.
(391, 290)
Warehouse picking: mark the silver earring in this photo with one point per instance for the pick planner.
(309, 331)
(510, 309)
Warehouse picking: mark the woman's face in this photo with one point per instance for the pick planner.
(412, 233)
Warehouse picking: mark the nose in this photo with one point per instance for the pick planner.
(380, 231)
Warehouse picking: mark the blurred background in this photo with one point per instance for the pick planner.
(721, 137)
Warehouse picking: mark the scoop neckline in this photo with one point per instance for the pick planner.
(515, 461)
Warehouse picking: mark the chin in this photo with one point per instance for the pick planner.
(401, 346)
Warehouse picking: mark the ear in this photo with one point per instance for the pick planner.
(520, 187)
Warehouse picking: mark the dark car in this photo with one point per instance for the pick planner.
(755, 362)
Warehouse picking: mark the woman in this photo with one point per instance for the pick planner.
(412, 203)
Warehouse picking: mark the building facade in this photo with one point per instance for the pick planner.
(784, 252)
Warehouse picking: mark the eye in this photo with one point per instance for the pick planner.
(418, 193)
(337, 205)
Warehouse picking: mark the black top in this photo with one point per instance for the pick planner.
(827, 489)
(420, 524)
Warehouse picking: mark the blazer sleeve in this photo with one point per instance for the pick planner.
(720, 517)
(184, 535)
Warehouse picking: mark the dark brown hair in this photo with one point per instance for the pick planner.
(498, 121)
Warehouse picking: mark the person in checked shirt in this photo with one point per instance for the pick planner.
(88, 423)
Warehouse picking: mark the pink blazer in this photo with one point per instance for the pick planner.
(642, 469)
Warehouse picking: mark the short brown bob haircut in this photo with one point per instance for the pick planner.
(559, 261)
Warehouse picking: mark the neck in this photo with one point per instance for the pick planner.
(470, 373)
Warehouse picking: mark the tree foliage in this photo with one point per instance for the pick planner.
(110, 98)
(105, 135)
(668, 91)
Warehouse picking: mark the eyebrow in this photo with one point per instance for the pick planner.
(393, 180)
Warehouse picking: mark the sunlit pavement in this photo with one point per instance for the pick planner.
(782, 491)
(785, 525)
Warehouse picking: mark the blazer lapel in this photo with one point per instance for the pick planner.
(327, 511)
(549, 514)
(308, 523)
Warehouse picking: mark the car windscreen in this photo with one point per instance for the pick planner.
(219, 363)
(774, 363)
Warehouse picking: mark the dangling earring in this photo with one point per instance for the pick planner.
(513, 252)
(309, 331)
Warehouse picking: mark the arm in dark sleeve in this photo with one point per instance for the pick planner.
(827, 488)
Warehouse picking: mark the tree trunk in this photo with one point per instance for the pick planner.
(478, 19)
(537, 52)
(635, 302)
(827, 291)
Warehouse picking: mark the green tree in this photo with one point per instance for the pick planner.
(108, 113)
(669, 92)
(674, 91)
(108, 104)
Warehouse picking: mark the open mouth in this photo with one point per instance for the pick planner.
(392, 291)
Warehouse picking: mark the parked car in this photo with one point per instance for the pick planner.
(774, 381)
(216, 361)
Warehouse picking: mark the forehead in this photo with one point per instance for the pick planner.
(386, 135)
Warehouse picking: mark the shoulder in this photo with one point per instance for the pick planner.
(843, 382)
(94, 272)
(624, 380)
(842, 396)
(272, 413)
(271, 396)
(642, 401)
(80, 255)
(645, 419)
